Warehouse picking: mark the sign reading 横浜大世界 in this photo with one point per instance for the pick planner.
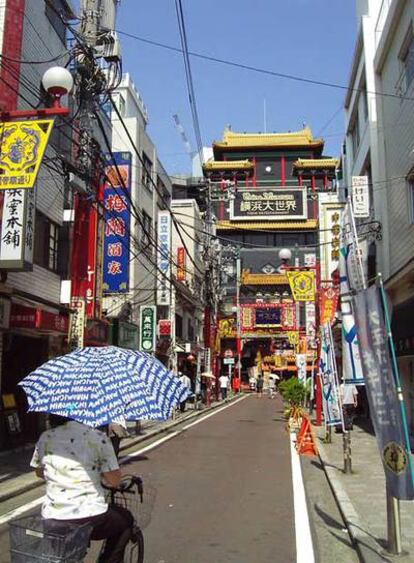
(117, 223)
(148, 319)
(269, 204)
(384, 405)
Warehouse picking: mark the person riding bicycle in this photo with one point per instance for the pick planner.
(73, 458)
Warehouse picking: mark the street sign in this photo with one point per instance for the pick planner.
(228, 361)
(228, 353)
(148, 315)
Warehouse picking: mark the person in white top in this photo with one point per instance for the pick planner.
(185, 380)
(349, 395)
(73, 458)
(224, 385)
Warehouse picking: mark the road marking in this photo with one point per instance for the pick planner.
(304, 546)
(33, 504)
(21, 510)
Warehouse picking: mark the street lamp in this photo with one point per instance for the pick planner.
(58, 82)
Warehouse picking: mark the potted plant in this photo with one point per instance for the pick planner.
(293, 392)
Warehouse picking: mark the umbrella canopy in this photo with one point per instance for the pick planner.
(97, 386)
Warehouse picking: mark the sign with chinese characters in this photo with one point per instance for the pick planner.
(331, 400)
(164, 327)
(227, 328)
(360, 196)
(289, 316)
(117, 223)
(23, 144)
(350, 258)
(17, 230)
(269, 204)
(163, 258)
(181, 263)
(77, 324)
(301, 364)
(328, 303)
(302, 285)
(386, 404)
(148, 320)
(310, 311)
(259, 317)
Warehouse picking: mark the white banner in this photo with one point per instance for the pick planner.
(301, 365)
(350, 260)
(17, 230)
(360, 196)
(163, 258)
(331, 400)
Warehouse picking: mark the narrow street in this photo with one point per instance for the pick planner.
(225, 494)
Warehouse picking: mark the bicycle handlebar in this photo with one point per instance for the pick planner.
(127, 482)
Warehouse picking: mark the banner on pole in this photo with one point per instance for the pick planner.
(23, 144)
(328, 304)
(350, 256)
(382, 394)
(330, 389)
(301, 365)
(302, 285)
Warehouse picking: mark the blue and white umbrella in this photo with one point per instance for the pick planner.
(97, 386)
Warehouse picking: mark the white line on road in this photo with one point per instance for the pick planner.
(24, 508)
(304, 546)
(21, 510)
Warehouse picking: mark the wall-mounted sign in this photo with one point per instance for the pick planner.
(77, 324)
(164, 327)
(148, 319)
(23, 144)
(17, 230)
(258, 316)
(360, 196)
(163, 259)
(117, 223)
(181, 263)
(266, 204)
(302, 285)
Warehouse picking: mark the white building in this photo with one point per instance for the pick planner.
(379, 142)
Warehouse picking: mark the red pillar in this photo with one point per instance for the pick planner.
(283, 170)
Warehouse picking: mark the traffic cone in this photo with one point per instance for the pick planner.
(307, 446)
(303, 428)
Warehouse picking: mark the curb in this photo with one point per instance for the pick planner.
(34, 483)
(369, 550)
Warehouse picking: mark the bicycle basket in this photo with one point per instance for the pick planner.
(131, 500)
(36, 540)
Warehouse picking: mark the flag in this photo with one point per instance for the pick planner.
(351, 279)
(332, 408)
(384, 405)
(302, 285)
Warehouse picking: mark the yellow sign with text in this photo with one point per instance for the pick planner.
(302, 285)
(22, 146)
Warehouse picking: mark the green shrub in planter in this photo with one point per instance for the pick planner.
(293, 391)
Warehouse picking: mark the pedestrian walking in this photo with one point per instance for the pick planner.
(186, 381)
(224, 385)
(349, 394)
(259, 386)
(272, 387)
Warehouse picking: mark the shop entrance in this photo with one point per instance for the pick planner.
(21, 355)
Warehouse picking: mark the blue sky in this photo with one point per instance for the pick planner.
(308, 38)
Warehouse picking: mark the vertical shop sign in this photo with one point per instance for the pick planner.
(148, 319)
(360, 196)
(17, 230)
(310, 310)
(163, 259)
(181, 263)
(77, 324)
(329, 376)
(117, 223)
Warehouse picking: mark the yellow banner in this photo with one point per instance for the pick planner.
(23, 144)
(302, 285)
(293, 337)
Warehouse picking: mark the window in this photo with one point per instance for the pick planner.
(46, 251)
(178, 326)
(364, 102)
(190, 330)
(146, 172)
(146, 233)
(411, 199)
(355, 135)
(407, 59)
(119, 101)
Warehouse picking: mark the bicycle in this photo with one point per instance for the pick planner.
(33, 540)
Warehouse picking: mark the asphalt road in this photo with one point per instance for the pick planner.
(225, 494)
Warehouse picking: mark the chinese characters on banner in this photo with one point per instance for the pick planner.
(302, 285)
(117, 223)
(269, 204)
(77, 324)
(181, 263)
(385, 412)
(328, 303)
(17, 230)
(163, 259)
(310, 312)
(23, 144)
(360, 196)
(148, 320)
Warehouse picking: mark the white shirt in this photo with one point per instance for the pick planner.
(73, 456)
(185, 380)
(224, 381)
(349, 394)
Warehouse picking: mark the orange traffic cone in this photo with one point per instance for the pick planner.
(307, 446)
(303, 428)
